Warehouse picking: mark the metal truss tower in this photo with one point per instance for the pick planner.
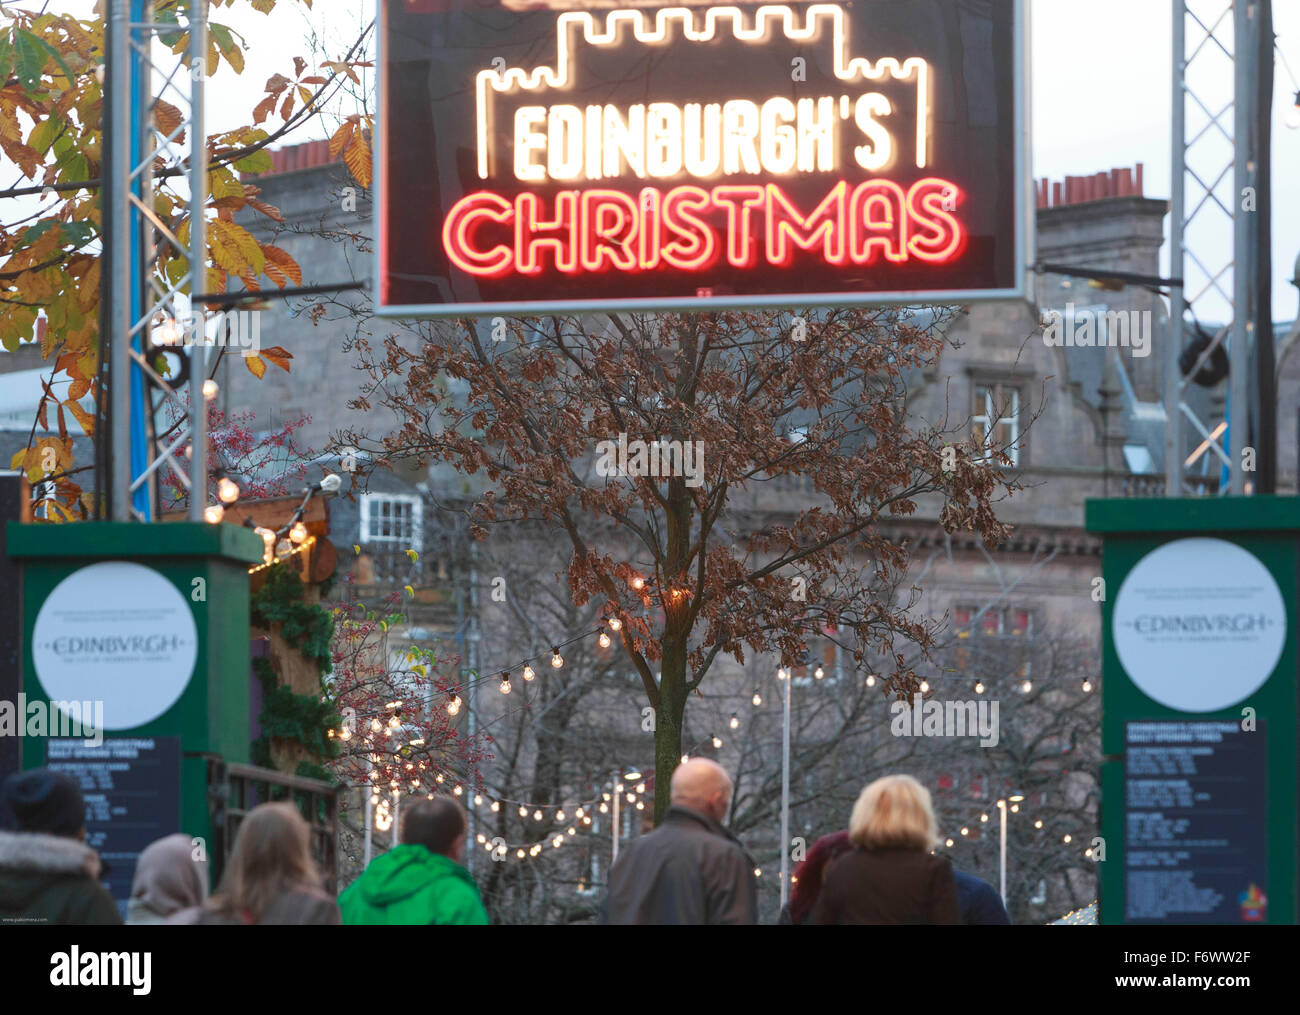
(1205, 34)
(139, 301)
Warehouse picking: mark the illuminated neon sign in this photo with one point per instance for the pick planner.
(698, 156)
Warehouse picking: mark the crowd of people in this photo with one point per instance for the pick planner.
(689, 870)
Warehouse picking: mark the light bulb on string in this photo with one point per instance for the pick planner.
(871, 680)
(453, 706)
(557, 660)
(1087, 687)
(227, 490)
(210, 389)
(528, 673)
(979, 687)
(523, 812)
(615, 624)
(818, 673)
(717, 743)
(213, 513)
(298, 533)
(603, 640)
(757, 699)
(638, 583)
(505, 683)
(735, 721)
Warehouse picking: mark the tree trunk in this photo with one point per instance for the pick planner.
(668, 722)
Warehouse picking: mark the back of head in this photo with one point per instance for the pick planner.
(40, 800)
(168, 878)
(893, 813)
(434, 824)
(702, 785)
(272, 854)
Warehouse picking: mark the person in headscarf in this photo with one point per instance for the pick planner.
(170, 884)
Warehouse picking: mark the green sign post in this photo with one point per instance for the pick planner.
(1199, 663)
(141, 633)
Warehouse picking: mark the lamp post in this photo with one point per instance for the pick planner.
(1002, 862)
(784, 676)
(632, 775)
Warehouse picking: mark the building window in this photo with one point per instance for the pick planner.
(994, 622)
(392, 519)
(995, 420)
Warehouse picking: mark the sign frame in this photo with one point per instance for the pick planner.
(1022, 257)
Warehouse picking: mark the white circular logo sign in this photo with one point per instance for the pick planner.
(119, 633)
(1199, 624)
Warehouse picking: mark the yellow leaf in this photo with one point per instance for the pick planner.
(357, 157)
(413, 555)
(410, 591)
(357, 549)
(256, 366)
(341, 137)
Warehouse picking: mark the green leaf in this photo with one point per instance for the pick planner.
(258, 162)
(44, 133)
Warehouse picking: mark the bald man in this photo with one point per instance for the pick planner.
(690, 870)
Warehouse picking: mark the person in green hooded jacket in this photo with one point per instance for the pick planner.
(421, 880)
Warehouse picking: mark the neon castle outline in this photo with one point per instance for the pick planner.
(700, 25)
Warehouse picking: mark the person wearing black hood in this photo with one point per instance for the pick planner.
(47, 872)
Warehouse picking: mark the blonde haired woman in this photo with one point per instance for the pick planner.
(890, 876)
(271, 877)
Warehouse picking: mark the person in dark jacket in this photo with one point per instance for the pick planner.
(890, 876)
(47, 872)
(421, 880)
(979, 902)
(271, 877)
(690, 870)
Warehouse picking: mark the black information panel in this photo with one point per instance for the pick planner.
(133, 797)
(1196, 836)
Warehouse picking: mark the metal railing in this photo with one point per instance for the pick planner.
(234, 790)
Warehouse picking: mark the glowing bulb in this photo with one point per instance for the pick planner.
(979, 687)
(818, 673)
(640, 787)
(640, 805)
(213, 513)
(228, 490)
(603, 640)
(1026, 687)
(615, 624)
(717, 743)
(557, 660)
(478, 800)
(523, 812)
(210, 389)
(984, 817)
(346, 734)
(1038, 823)
(376, 725)
(604, 808)
(947, 842)
(965, 831)
(496, 806)
(1066, 839)
(298, 534)
(925, 686)
(780, 674)
(559, 815)
(1087, 687)
(871, 680)
(505, 684)
(268, 537)
(735, 721)
(757, 699)
(537, 815)
(453, 706)
(638, 583)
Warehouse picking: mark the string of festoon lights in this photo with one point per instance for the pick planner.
(1014, 807)
(281, 544)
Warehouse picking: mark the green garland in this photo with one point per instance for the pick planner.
(301, 718)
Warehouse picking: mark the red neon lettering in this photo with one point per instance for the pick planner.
(596, 230)
(925, 204)
(696, 247)
(740, 200)
(560, 234)
(458, 235)
(784, 222)
(609, 224)
(878, 205)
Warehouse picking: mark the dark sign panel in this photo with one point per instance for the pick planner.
(535, 158)
(1196, 836)
(133, 797)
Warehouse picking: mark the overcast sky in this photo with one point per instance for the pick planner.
(1101, 99)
